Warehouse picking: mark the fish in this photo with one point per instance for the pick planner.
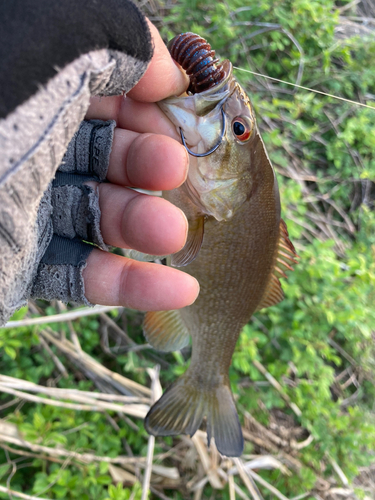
(237, 248)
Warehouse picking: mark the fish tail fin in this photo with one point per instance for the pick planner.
(183, 406)
(223, 423)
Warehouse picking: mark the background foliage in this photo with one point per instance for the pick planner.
(319, 343)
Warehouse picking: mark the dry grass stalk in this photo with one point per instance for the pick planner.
(120, 475)
(263, 431)
(31, 455)
(262, 462)
(246, 480)
(266, 484)
(54, 358)
(109, 321)
(18, 494)
(155, 394)
(74, 394)
(84, 458)
(338, 471)
(302, 496)
(232, 491)
(260, 442)
(199, 485)
(59, 318)
(148, 470)
(86, 402)
(277, 386)
(158, 493)
(198, 493)
(91, 367)
(210, 468)
(237, 489)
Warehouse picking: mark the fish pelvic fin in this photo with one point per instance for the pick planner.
(183, 406)
(165, 330)
(286, 255)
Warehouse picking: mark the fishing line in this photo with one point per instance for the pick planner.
(306, 88)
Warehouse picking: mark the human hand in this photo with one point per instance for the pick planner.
(145, 154)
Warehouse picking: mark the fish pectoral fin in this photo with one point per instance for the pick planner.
(165, 330)
(286, 255)
(193, 243)
(182, 408)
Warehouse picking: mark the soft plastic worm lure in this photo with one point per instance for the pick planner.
(195, 55)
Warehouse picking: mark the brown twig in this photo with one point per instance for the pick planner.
(18, 494)
(31, 455)
(61, 452)
(246, 480)
(277, 386)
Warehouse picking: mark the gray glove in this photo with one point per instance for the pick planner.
(49, 69)
(75, 214)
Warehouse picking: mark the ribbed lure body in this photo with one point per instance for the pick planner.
(197, 58)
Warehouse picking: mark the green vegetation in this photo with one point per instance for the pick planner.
(318, 344)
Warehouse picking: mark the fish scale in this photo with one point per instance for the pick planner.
(238, 272)
(237, 248)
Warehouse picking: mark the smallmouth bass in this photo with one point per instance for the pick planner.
(237, 246)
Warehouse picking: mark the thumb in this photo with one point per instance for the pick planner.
(163, 77)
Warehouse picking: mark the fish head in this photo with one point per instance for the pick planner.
(219, 183)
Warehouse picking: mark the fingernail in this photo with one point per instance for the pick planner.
(184, 162)
(196, 284)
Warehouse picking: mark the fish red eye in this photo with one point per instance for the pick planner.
(241, 129)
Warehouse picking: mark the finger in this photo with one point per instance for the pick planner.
(104, 107)
(163, 77)
(145, 117)
(113, 280)
(131, 115)
(147, 161)
(146, 223)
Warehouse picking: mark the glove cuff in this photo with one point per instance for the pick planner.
(59, 273)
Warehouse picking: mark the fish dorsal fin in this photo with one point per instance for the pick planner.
(165, 330)
(272, 295)
(193, 243)
(286, 254)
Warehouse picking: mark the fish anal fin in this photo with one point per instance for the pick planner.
(165, 330)
(286, 255)
(182, 408)
(193, 243)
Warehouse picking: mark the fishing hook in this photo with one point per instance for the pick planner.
(201, 155)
